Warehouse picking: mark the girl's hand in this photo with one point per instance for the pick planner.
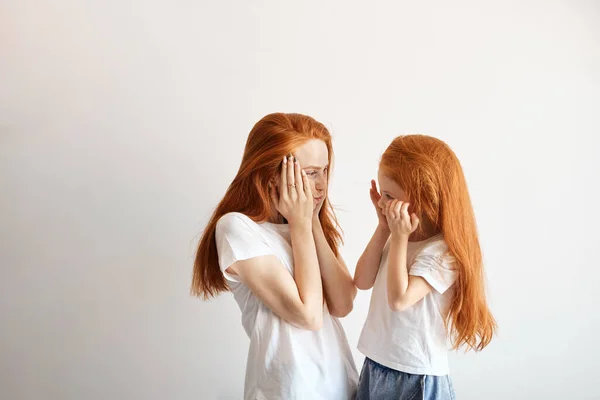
(293, 197)
(375, 197)
(400, 222)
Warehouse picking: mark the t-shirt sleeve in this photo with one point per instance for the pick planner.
(436, 265)
(238, 240)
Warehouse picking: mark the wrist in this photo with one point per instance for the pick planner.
(400, 236)
(304, 224)
(383, 227)
(316, 223)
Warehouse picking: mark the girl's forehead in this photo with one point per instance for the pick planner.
(387, 183)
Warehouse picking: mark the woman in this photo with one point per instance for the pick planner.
(273, 242)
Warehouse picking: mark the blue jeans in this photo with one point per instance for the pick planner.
(378, 382)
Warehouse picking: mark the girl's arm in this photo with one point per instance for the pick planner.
(402, 290)
(337, 282)
(368, 263)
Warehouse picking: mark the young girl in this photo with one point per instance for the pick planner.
(425, 267)
(273, 241)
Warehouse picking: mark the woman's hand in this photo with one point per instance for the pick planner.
(293, 199)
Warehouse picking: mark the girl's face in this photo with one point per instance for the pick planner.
(314, 160)
(390, 190)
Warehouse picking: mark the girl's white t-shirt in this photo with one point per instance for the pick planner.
(284, 362)
(415, 340)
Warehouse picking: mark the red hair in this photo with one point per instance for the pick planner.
(432, 177)
(272, 138)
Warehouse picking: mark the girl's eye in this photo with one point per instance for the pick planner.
(313, 173)
(388, 196)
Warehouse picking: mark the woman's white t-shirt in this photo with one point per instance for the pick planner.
(414, 340)
(284, 362)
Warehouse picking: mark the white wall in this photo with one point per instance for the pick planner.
(123, 122)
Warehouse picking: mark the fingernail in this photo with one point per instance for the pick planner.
(285, 160)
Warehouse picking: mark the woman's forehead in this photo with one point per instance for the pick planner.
(313, 153)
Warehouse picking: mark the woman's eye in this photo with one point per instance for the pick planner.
(388, 196)
(312, 173)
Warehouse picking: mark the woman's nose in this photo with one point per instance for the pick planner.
(320, 184)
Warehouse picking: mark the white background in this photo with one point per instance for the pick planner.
(123, 122)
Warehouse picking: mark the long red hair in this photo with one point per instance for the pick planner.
(272, 138)
(431, 176)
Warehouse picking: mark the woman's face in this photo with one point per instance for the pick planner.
(314, 160)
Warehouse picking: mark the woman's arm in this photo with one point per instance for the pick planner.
(297, 299)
